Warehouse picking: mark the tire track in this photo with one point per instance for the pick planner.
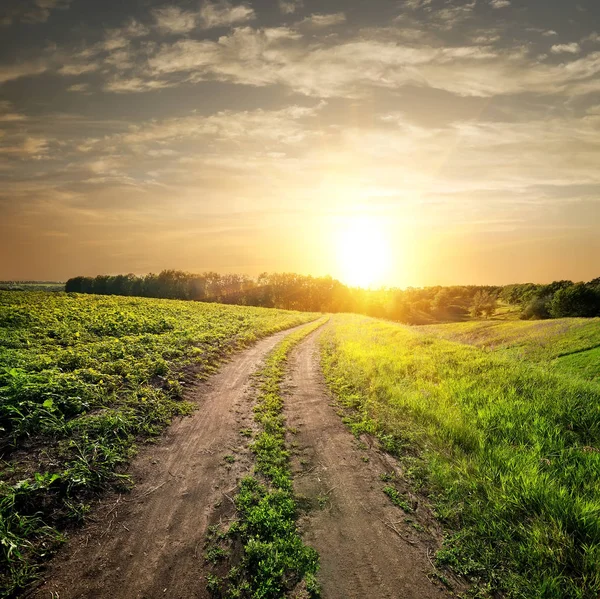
(351, 523)
(150, 543)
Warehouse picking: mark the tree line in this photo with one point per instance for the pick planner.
(556, 300)
(324, 294)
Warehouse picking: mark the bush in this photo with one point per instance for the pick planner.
(537, 308)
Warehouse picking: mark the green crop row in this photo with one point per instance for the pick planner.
(82, 379)
(508, 450)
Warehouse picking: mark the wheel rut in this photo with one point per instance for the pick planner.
(367, 547)
(150, 543)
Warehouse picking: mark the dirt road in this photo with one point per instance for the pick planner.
(351, 523)
(150, 544)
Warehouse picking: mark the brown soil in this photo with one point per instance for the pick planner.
(150, 543)
(369, 548)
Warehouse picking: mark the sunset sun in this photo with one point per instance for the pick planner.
(363, 252)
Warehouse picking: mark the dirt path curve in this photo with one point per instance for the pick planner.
(351, 518)
(149, 544)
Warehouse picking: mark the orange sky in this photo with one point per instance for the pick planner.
(412, 143)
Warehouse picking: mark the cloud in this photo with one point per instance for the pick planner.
(451, 16)
(349, 67)
(30, 147)
(288, 7)
(124, 85)
(115, 39)
(224, 14)
(573, 48)
(24, 69)
(27, 11)
(592, 38)
(499, 3)
(77, 69)
(417, 4)
(328, 20)
(283, 125)
(79, 87)
(120, 59)
(172, 19)
(8, 114)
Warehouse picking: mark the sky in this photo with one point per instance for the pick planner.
(402, 143)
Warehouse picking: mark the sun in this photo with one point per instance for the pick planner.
(363, 251)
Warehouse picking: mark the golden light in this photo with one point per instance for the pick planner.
(363, 251)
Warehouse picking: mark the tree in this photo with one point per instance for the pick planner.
(484, 302)
(576, 300)
(537, 309)
(443, 298)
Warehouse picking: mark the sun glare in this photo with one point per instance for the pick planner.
(363, 252)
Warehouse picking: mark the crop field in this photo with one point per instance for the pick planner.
(507, 448)
(82, 379)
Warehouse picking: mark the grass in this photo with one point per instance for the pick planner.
(566, 344)
(507, 450)
(82, 379)
(397, 498)
(274, 560)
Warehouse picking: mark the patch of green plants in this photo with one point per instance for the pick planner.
(82, 380)
(397, 498)
(274, 559)
(507, 450)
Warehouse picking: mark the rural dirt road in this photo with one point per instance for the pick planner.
(150, 544)
(351, 523)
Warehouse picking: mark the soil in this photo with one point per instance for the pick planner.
(369, 548)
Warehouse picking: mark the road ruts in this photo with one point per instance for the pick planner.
(150, 544)
(351, 520)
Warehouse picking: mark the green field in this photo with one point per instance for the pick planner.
(571, 345)
(506, 445)
(82, 379)
(496, 423)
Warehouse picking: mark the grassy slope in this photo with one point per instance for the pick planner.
(567, 344)
(509, 450)
(81, 377)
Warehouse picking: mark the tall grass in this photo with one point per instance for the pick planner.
(508, 450)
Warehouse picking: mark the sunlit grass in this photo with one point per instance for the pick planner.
(508, 450)
(566, 344)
